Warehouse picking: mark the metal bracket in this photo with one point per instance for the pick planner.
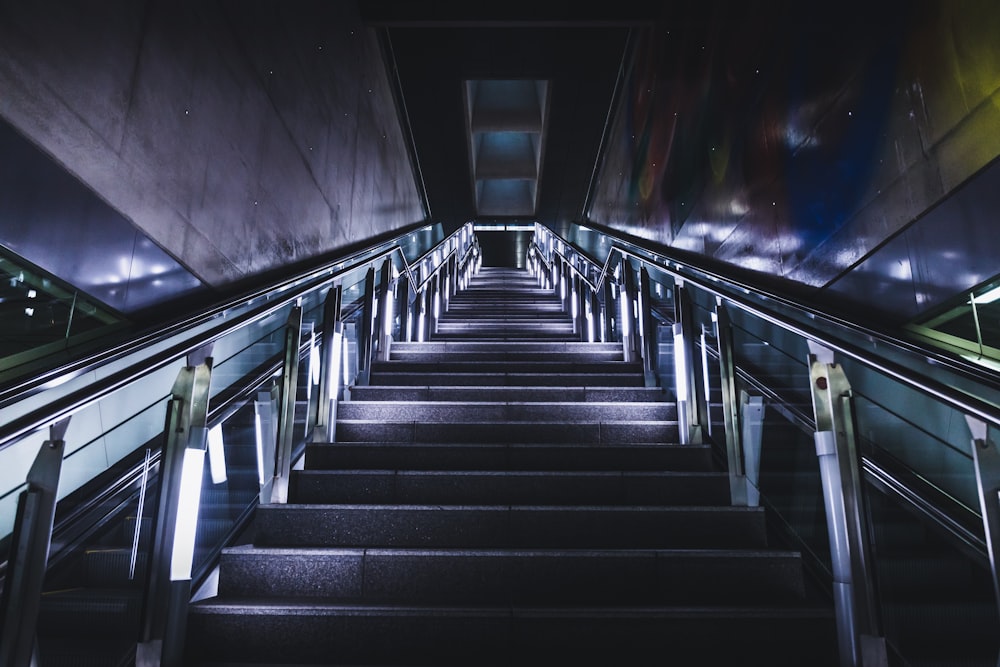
(286, 406)
(986, 457)
(836, 449)
(29, 552)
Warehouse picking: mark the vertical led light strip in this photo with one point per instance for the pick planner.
(623, 306)
(338, 352)
(259, 437)
(314, 361)
(216, 454)
(680, 365)
(187, 514)
(347, 372)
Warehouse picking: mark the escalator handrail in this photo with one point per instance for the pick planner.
(291, 289)
(728, 289)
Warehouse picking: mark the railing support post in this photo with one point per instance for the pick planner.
(384, 320)
(365, 329)
(730, 406)
(182, 465)
(433, 303)
(403, 302)
(594, 319)
(607, 311)
(29, 552)
(626, 308)
(987, 461)
(650, 345)
(858, 628)
(685, 383)
(286, 405)
(329, 374)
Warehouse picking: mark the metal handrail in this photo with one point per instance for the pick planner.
(584, 277)
(66, 405)
(949, 395)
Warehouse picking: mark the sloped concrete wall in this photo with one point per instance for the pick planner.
(237, 135)
(800, 142)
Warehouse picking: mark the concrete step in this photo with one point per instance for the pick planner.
(529, 577)
(511, 366)
(513, 487)
(430, 412)
(574, 356)
(387, 375)
(296, 630)
(510, 527)
(580, 433)
(512, 347)
(531, 456)
(469, 394)
(506, 334)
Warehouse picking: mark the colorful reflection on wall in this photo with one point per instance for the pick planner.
(795, 139)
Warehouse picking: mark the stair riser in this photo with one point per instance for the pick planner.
(510, 348)
(285, 635)
(507, 379)
(503, 413)
(437, 456)
(494, 432)
(451, 488)
(557, 367)
(520, 578)
(518, 357)
(495, 333)
(514, 527)
(507, 394)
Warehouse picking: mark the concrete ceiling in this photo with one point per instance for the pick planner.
(506, 104)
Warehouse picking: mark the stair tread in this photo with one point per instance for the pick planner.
(300, 605)
(545, 510)
(520, 552)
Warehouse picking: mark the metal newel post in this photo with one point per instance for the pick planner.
(987, 461)
(29, 552)
(607, 311)
(433, 303)
(331, 341)
(286, 405)
(182, 466)
(384, 319)
(685, 383)
(365, 329)
(730, 406)
(650, 344)
(859, 636)
(403, 293)
(630, 324)
(594, 333)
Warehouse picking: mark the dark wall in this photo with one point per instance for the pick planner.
(803, 142)
(508, 249)
(49, 217)
(237, 135)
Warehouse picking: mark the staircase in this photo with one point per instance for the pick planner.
(508, 495)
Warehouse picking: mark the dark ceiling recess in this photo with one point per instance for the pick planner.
(505, 132)
(556, 64)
